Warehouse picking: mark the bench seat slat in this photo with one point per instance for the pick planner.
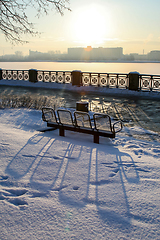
(82, 130)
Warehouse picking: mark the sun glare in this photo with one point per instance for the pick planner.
(91, 25)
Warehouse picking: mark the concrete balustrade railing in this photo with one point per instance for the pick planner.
(132, 81)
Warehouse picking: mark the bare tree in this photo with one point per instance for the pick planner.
(14, 22)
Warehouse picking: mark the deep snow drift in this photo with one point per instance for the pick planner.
(54, 187)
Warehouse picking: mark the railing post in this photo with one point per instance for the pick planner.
(151, 83)
(76, 78)
(98, 80)
(0, 74)
(33, 75)
(134, 81)
(90, 79)
(117, 85)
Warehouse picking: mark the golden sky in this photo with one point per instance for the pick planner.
(131, 24)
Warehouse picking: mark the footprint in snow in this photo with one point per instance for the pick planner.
(112, 174)
(13, 192)
(12, 196)
(5, 177)
(115, 170)
(75, 187)
(132, 146)
(17, 201)
(55, 157)
(107, 164)
(2, 197)
(142, 170)
(101, 182)
(59, 188)
(17, 192)
(156, 150)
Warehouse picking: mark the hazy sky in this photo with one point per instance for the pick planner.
(131, 24)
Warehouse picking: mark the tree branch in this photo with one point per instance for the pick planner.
(14, 22)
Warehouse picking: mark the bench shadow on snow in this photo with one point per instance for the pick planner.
(82, 174)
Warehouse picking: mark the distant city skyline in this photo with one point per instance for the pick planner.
(83, 54)
(132, 25)
(56, 51)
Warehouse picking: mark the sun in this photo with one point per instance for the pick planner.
(91, 25)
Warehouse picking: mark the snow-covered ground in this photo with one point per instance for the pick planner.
(54, 187)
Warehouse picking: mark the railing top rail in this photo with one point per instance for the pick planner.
(14, 69)
(105, 73)
(151, 75)
(35, 69)
(53, 71)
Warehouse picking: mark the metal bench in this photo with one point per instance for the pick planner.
(81, 122)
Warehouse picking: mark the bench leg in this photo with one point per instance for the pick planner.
(96, 138)
(61, 131)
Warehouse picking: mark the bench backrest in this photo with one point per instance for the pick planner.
(48, 114)
(65, 117)
(82, 119)
(102, 122)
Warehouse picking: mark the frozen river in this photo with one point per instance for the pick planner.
(99, 67)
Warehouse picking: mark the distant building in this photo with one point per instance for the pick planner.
(137, 57)
(75, 53)
(90, 53)
(154, 55)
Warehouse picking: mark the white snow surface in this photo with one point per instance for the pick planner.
(54, 187)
